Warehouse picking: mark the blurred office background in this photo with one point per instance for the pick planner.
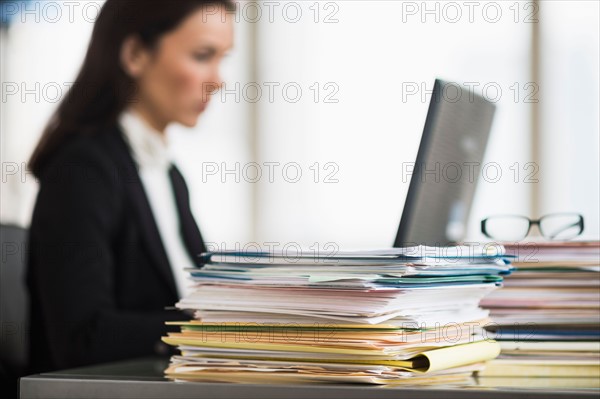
(337, 90)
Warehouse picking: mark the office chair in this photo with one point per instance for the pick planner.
(13, 308)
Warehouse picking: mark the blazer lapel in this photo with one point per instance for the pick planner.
(128, 171)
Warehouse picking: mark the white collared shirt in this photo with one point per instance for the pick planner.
(151, 152)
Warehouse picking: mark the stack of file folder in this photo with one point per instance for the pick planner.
(547, 316)
(403, 315)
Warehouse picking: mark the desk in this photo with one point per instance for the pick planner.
(143, 378)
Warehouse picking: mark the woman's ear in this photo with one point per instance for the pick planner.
(134, 56)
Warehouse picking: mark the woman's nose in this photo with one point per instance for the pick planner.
(211, 87)
(216, 84)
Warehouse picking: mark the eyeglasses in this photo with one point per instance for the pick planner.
(555, 226)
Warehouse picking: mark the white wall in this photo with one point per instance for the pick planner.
(48, 54)
(35, 80)
(570, 166)
(365, 135)
(375, 49)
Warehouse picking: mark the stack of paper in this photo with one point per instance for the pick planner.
(407, 315)
(547, 316)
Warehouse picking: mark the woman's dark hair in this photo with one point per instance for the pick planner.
(102, 89)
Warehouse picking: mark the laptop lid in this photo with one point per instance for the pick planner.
(448, 166)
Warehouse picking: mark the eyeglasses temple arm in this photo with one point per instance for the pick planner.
(565, 228)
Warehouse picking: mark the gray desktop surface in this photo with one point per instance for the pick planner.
(143, 378)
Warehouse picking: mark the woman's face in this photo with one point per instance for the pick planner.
(175, 80)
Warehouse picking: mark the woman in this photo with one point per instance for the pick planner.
(112, 228)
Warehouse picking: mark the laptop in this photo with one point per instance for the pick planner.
(448, 166)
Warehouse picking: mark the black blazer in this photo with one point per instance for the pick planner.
(98, 274)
